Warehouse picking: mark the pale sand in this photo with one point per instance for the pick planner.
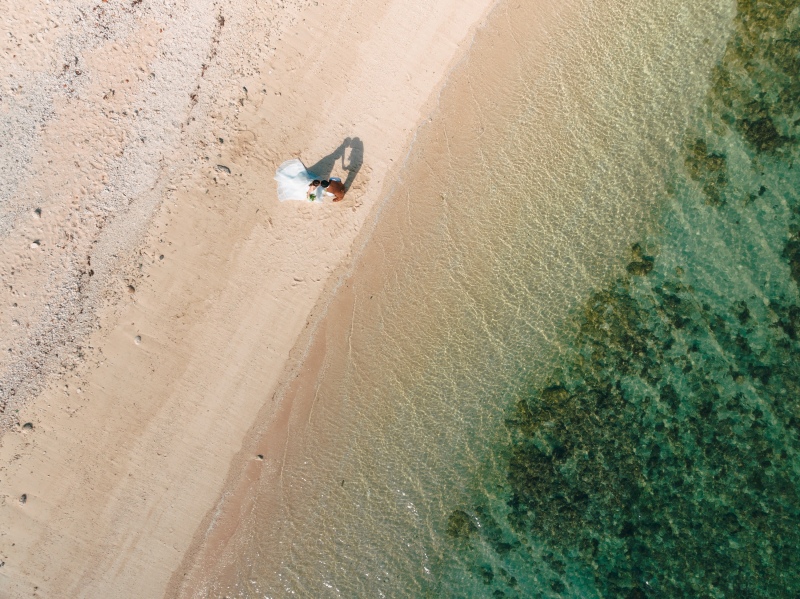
(141, 375)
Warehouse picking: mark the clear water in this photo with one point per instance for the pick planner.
(568, 365)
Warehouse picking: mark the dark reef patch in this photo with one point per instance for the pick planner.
(460, 525)
(792, 254)
(707, 168)
(666, 480)
(641, 265)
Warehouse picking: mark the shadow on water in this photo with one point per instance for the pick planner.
(323, 168)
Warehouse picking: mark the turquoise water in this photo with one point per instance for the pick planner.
(661, 456)
(565, 364)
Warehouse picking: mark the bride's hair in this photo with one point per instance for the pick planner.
(325, 184)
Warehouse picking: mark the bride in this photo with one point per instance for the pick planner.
(296, 183)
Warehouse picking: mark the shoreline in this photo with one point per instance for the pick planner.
(236, 499)
(130, 447)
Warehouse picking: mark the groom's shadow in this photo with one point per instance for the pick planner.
(324, 167)
(355, 161)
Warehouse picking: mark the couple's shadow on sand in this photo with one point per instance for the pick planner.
(355, 159)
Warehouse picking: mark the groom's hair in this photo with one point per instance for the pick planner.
(325, 184)
(315, 182)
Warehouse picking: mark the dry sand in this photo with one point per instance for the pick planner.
(152, 286)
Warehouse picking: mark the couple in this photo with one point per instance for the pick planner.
(296, 183)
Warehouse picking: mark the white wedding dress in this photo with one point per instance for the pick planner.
(293, 181)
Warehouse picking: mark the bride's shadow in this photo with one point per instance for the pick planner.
(324, 167)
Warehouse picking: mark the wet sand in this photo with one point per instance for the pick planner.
(153, 287)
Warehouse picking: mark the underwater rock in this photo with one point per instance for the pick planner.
(460, 525)
(641, 264)
(707, 168)
(486, 573)
(791, 252)
(640, 269)
(555, 395)
(762, 134)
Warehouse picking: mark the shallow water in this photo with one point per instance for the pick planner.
(569, 364)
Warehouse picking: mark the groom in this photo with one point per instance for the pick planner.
(335, 187)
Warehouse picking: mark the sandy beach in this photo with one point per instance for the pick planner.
(154, 289)
(546, 346)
